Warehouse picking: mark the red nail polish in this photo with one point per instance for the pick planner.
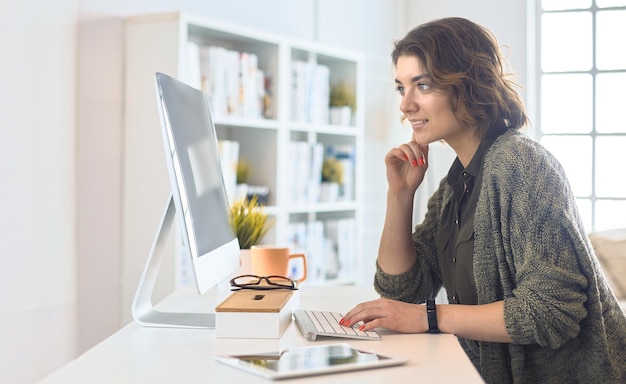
(414, 162)
(362, 327)
(341, 321)
(420, 161)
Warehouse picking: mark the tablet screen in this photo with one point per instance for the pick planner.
(310, 360)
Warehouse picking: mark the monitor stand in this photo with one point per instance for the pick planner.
(142, 310)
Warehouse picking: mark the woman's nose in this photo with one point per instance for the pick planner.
(407, 104)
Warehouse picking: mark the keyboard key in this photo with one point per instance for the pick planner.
(315, 321)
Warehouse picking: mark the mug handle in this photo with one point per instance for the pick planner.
(300, 255)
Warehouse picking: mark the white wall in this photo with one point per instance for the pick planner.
(37, 175)
(60, 167)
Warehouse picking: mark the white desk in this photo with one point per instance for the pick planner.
(137, 354)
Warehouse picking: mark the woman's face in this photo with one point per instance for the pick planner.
(427, 109)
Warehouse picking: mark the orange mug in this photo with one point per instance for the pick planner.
(269, 260)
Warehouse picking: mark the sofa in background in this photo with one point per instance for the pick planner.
(610, 248)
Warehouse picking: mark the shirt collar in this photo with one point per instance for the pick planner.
(458, 174)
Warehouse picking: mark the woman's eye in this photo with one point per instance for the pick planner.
(400, 90)
(423, 86)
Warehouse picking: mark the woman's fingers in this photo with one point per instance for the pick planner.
(412, 152)
(391, 314)
(359, 313)
(424, 151)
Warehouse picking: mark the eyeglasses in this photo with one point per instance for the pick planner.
(255, 282)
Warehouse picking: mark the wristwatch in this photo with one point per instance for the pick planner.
(431, 314)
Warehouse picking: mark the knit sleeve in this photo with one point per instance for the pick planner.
(423, 279)
(541, 245)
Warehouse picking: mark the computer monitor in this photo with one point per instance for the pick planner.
(198, 203)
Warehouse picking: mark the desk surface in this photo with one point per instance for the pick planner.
(137, 354)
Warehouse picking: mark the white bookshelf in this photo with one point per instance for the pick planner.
(157, 43)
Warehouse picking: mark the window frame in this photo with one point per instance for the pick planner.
(536, 74)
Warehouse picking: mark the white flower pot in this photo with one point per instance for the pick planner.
(340, 115)
(329, 192)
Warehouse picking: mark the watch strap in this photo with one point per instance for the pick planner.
(431, 314)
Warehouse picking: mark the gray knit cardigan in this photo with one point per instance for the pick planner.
(532, 252)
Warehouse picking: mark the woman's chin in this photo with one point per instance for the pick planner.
(423, 138)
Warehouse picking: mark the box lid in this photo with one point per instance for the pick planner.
(255, 301)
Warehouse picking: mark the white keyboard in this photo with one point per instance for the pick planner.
(324, 323)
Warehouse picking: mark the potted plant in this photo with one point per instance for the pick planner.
(332, 177)
(249, 221)
(342, 103)
(243, 171)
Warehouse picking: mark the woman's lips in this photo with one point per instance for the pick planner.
(416, 124)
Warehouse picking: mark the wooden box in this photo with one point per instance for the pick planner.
(255, 314)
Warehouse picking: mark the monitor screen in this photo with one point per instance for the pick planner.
(202, 209)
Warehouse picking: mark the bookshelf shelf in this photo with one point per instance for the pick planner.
(233, 121)
(337, 130)
(283, 139)
(344, 206)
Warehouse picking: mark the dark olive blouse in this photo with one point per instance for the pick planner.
(455, 239)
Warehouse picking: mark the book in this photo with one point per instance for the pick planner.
(329, 247)
(316, 259)
(310, 92)
(305, 171)
(229, 157)
(191, 71)
(315, 177)
(342, 235)
(234, 82)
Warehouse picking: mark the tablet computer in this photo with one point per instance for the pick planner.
(309, 361)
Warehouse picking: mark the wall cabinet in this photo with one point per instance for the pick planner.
(280, 124)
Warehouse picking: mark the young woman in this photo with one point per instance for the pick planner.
(502, 233)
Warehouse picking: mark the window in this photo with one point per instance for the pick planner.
(582, 102)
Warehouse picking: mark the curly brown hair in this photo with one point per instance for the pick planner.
(463, 59)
